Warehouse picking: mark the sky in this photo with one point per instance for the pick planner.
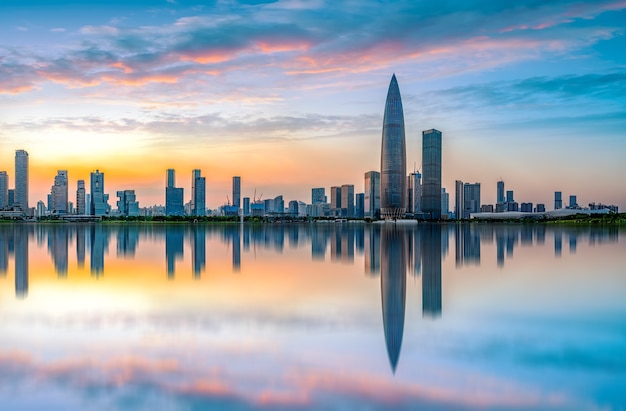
(290, 94)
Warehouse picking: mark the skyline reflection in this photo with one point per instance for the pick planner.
(426, 245)
(298, 311)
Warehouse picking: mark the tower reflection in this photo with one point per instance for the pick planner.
(393, 247)
(431, 271)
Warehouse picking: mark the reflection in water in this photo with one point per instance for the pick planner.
(425, 245)
(174, 247)
(393, 287)
(21, 263)
(431, 278)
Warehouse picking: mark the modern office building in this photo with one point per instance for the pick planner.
(573, 203)
(500, 192)
(80, 198)
(347, 200)
(237, 192)
(171, 178)
(372, 194)
(459, 200)
(127, 203)
(4, 190)
(335, 201)
(318, 195)
(99, 200)
(393, 156)
(292, 209)
(510, 197)
(359, 205)
(445, 203)
(279, 205)
(558, 201)
(526, 208)
(246, 206)
(431, 174)
(414, 193)
(198, 198)
(59, 193)
(21, 180)
(471, 197)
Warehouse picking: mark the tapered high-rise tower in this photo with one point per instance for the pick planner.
(393, 156)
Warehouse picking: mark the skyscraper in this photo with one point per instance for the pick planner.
(471, 194)
(4, 190)
(21, 180)
(198, 194)
(318, 195)
(171, 178)
(372, 194)
(347, 200)
(335, 200)
(414, 193)
(393, 156)
(99, 200)
(459, 200)
(237, 192)
(500, 194)
(127, 203)
(431, 177)
(445, 202)
(558, 201)
(59, 193)
(174, 197)
(80, 198)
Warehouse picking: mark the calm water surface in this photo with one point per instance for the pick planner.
(319, 316)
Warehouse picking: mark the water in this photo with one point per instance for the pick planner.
(319, 316)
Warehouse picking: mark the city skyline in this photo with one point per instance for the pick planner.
(527, 94)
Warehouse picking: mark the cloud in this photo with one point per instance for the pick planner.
(263, 38)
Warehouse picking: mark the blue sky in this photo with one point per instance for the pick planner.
(290, 94)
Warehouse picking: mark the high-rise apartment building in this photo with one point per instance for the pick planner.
(80, 198)
(371, 197)
(21, 180)
(99, 200)
(4, 190)
(393, 156)
(59, 193)
(431, 176)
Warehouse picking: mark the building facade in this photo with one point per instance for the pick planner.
(318, 195)
(347, 200)
(80, 198)
(393, 156)
(414, 193)
(4, 190)
(471, 194)
(127, 203)
(21, 180)
(459, 200)
(431, 174)
(99, 200)
(237, 192)
(59, 193)
(371, 197)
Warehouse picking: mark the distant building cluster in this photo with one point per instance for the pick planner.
(388, 194)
